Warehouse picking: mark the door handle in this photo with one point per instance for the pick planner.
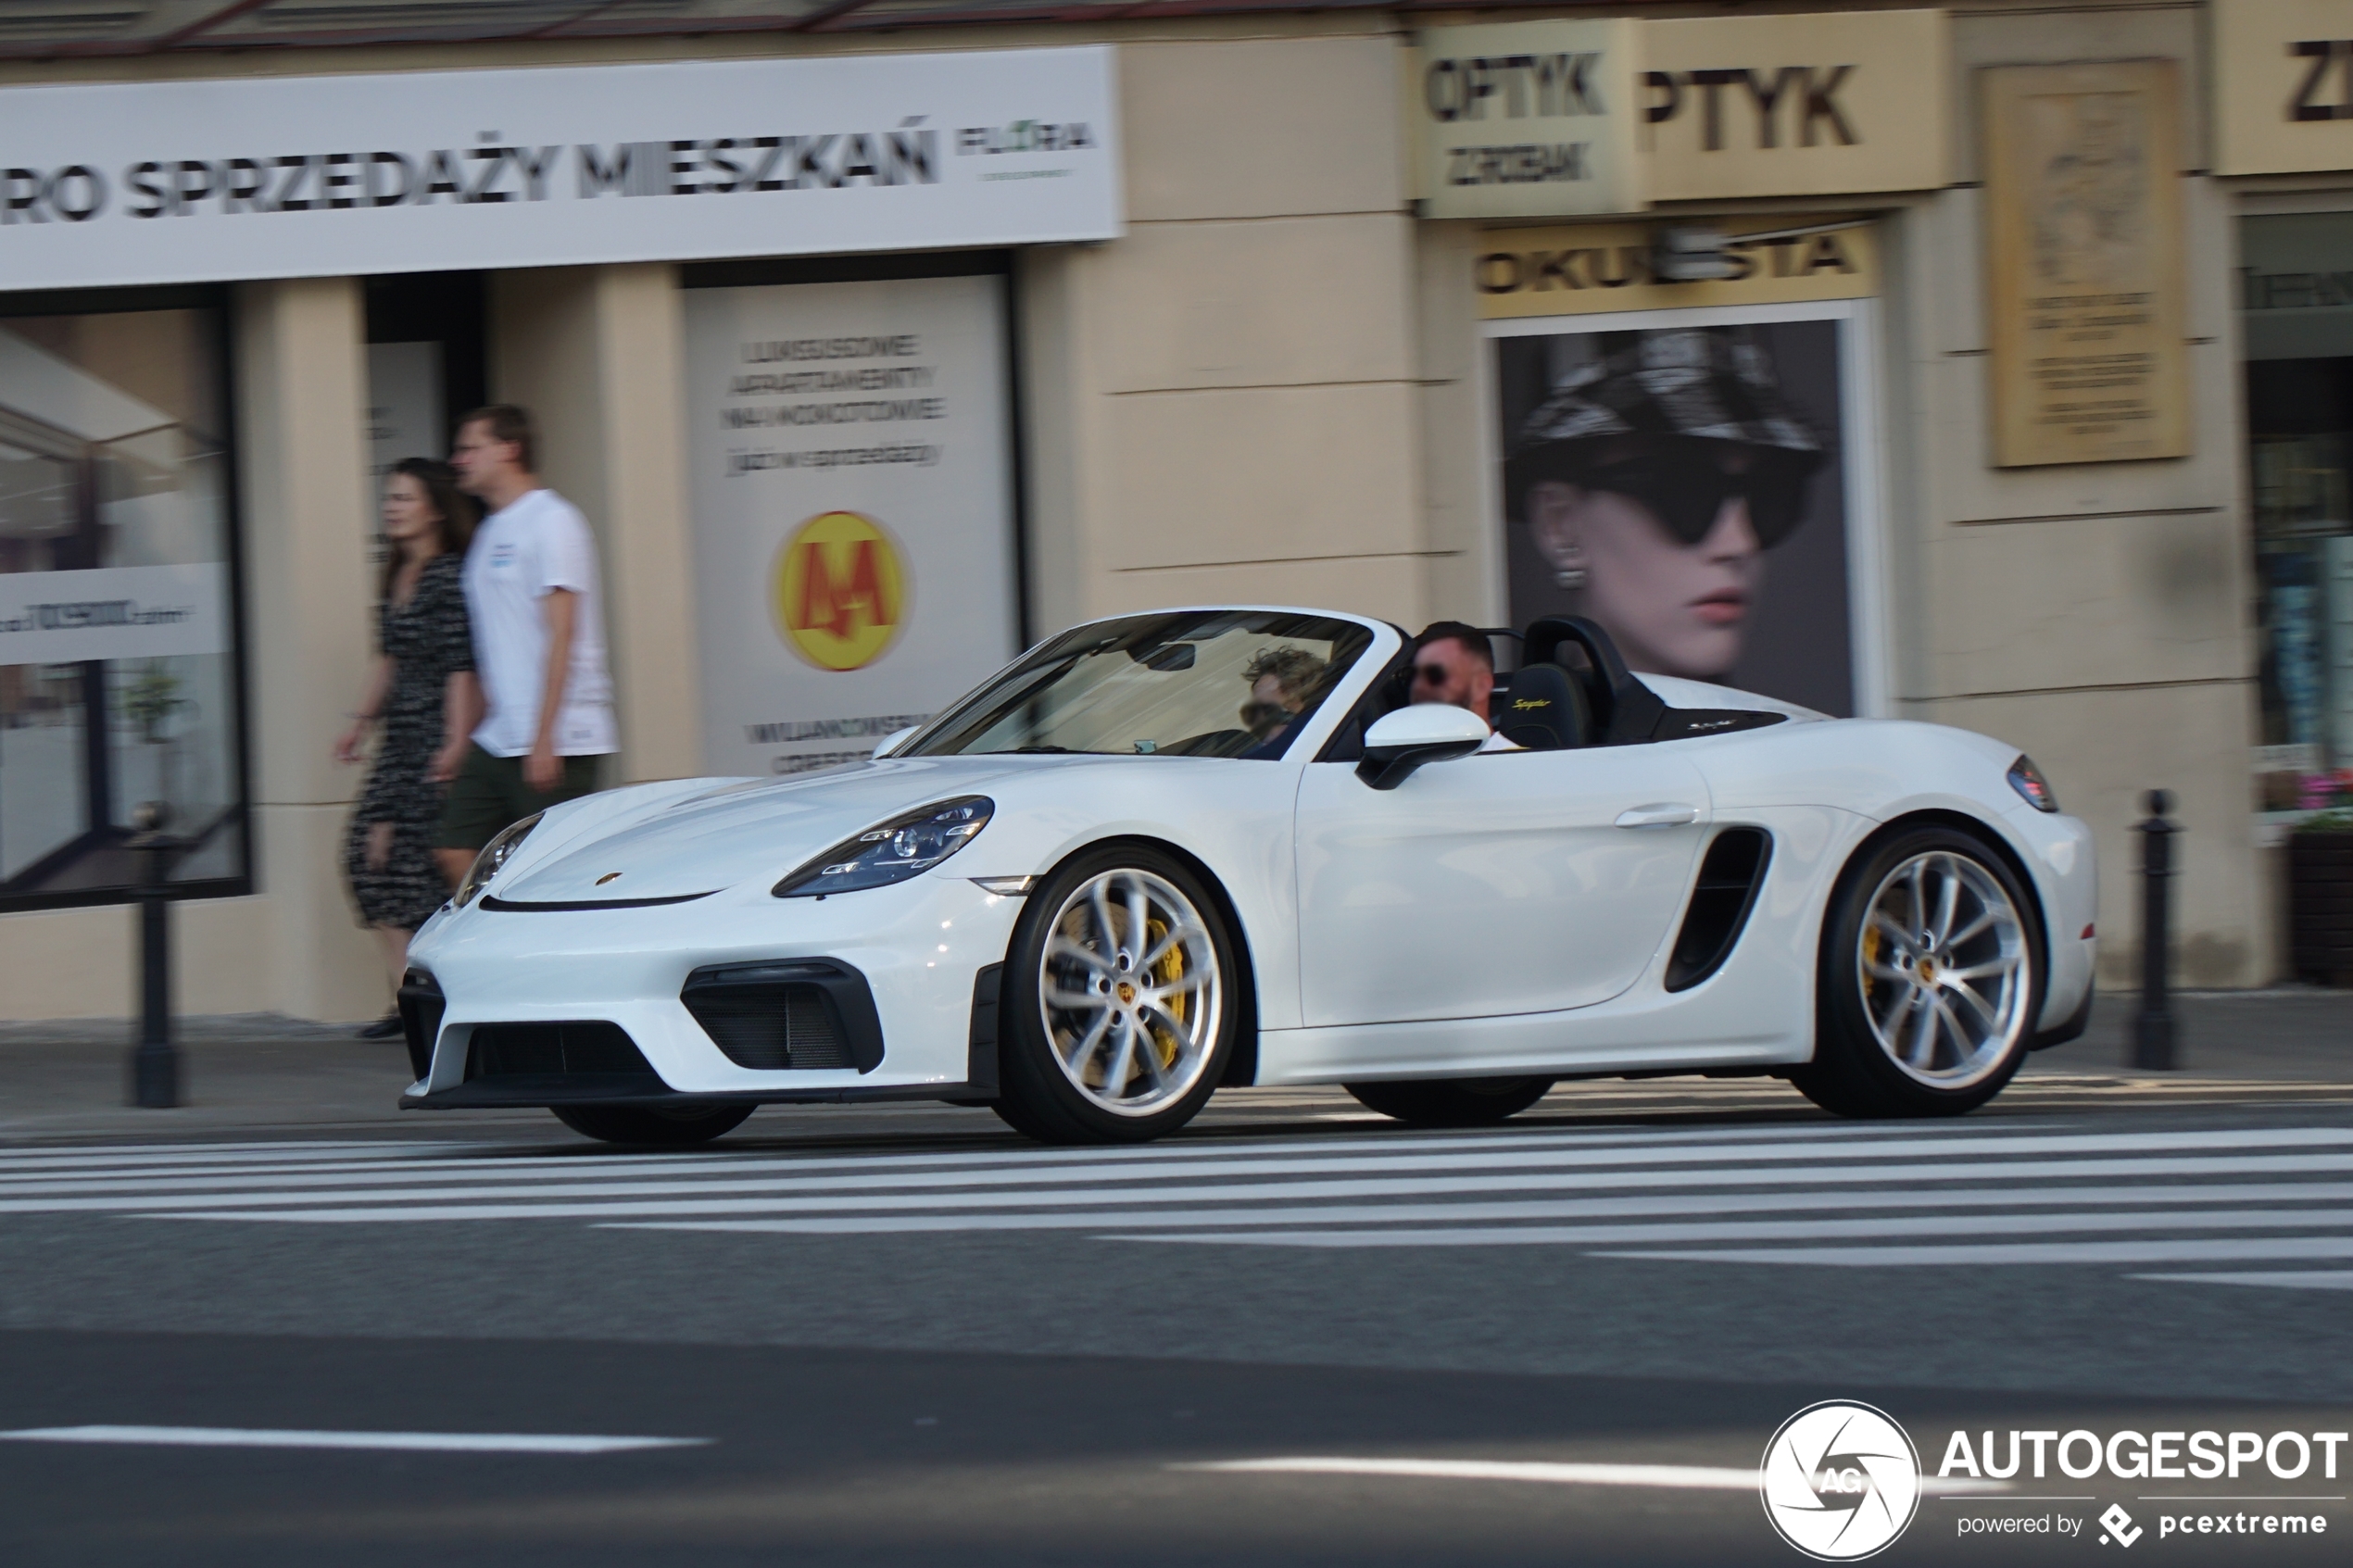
(1664, 814)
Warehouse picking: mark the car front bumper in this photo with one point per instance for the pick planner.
(925, 950)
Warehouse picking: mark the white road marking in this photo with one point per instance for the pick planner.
(2283, 1279)
(406, 1442)
(1871, 1195)
(1781, 1229)
(2205, 1251)
(1584, 1209)
(605, 1198)
(591, 1164)
(1681, 1477)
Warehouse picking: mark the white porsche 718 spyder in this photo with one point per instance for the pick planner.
(1167, 852)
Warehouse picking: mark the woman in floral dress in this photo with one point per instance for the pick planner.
(421, 690)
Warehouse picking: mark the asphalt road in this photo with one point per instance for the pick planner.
(908, 1336)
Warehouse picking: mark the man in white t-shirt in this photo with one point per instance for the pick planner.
(539, 643)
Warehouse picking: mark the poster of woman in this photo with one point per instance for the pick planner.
(1682, 485)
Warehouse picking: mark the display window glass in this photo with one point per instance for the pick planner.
(2296, 300)
(119, 670)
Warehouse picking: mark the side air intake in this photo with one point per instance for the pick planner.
(1729, 875)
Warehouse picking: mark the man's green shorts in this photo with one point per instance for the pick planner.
(488, 794)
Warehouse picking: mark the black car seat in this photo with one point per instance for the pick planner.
(1622, 710)
(1542, 709)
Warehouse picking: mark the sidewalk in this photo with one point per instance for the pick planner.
(270, 1075)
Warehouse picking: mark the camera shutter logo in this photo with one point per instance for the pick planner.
(840, 590)
(1840, 1481)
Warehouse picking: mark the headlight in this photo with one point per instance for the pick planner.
(892, 851)
(495, 853)
(2028, 779)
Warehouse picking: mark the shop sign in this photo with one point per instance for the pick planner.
(1796, 104)
(2087, 297)
(1580, 268)
(851, 476)
(113, 612)
(1527, 119)
(179, 182)
(2283, 85)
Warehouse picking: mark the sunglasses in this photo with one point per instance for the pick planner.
(1688, 496)
(1433, 674)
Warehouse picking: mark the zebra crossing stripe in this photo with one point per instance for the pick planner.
(1778, 1230)
(616, 1199)
(2287, 1279)
(1592, 1209)
(2188, 1251)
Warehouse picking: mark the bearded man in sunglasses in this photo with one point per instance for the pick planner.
(1452, 663)
(1654, 480)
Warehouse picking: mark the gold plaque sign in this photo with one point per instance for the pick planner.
(1796, 104)
(1581, 268)
(2084, 264)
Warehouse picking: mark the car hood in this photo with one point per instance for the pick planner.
(750, 830)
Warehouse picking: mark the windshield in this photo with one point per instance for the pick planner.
(1197, 683)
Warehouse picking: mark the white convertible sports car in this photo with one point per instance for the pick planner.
(1167, 852)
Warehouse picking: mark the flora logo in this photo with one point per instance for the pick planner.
(2119, 1525)
(839, 587)
(1840, 1481)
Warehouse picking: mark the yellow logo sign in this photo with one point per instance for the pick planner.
(840, 588)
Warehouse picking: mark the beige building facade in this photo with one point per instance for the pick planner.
(1286, 381)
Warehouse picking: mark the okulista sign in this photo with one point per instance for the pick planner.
(429, 170)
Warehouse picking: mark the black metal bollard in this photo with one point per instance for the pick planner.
(155, 1064)
(2153, 1034)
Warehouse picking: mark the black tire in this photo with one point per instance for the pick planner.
(1852, 1073)
(649, 1127)
(1451, 1102)
(1037, 1096)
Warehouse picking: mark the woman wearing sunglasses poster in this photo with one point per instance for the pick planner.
(1653, 477)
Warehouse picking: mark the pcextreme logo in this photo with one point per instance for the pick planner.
(1840, 1481)
(840, 591)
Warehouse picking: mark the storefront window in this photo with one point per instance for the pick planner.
(117, 665)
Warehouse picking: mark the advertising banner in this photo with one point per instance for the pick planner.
(1686, 486)
(2086, 287)
(1527, 119)
(179, 182)
(853, 487)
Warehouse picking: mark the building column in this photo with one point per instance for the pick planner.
(597, 354)
(301, 395)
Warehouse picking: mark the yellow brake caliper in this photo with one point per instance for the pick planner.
(1170, 970)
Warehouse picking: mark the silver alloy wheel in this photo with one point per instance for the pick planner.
(1944, 967)
(1130, 991)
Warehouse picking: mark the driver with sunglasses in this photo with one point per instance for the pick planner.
(1452, 663)
(1654, 479)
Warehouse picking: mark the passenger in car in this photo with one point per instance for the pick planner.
(1282, 681)
(1453, 664)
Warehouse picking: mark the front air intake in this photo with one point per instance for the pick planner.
(792, 1015)
(568, 1050)
(1729, 875)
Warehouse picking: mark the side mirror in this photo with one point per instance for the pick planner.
(889, 743)
(1428, 731)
